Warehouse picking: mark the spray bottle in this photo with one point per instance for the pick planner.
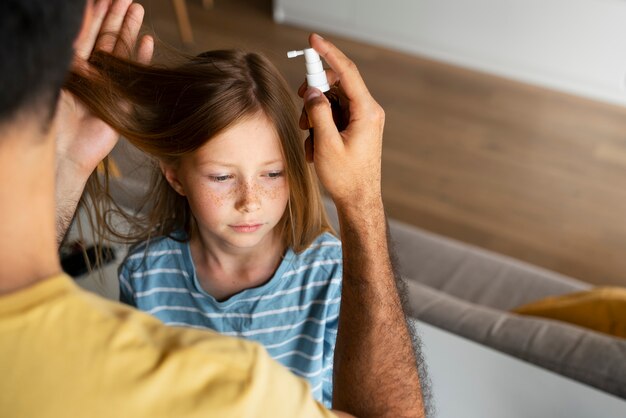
(316, 77)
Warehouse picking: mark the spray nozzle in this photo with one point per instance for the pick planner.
(315, 74)
(293, 54)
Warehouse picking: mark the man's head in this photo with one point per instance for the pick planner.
(36, 47)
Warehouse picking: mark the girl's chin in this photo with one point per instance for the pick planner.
(249, 240)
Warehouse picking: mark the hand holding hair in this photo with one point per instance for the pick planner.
(83, 140)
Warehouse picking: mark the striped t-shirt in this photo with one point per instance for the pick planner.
(294, 315)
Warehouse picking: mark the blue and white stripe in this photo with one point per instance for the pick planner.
(294, 315)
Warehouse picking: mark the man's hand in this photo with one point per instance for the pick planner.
(83, 140)
(348, 162)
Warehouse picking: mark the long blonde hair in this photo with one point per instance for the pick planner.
(168, 112)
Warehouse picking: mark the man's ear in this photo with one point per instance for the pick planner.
(171, 175)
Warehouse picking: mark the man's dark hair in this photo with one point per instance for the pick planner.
(36, 38)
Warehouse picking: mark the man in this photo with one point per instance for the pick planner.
(65, 352)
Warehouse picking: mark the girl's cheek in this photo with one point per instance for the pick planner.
(275, 189)
(219, 194)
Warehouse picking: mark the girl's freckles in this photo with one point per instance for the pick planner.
(257, 190)
(274, 193)
(220, 198)
(217, 199)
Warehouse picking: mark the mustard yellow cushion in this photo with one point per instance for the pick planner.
(602, 309)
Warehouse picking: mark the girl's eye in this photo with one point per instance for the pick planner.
(275, 174)
(220, 179)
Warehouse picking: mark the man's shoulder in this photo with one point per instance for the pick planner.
(223, 363)
(135, 353)
(148, 342)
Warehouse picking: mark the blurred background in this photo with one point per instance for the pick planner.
(505, 120)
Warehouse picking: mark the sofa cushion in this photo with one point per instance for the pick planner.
(583, 355)
(602, 309)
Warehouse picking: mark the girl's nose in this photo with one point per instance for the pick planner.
(248, 198)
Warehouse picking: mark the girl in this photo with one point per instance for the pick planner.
(236, 239)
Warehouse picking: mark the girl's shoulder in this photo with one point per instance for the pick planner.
(325, 244)
(325, 248)
(321, 262)
(154, 249)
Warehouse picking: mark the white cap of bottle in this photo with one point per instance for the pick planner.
(315, 74)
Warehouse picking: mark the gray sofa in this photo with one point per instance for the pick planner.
(469, 292)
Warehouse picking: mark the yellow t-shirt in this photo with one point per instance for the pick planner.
(67, 353)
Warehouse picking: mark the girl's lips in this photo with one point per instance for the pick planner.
(246, 227)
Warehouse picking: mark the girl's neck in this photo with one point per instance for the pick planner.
(224, 271)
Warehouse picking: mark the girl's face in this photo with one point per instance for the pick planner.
(235, 184)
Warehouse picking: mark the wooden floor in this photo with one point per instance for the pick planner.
(520, 170)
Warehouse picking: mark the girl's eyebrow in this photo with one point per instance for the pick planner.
(224, 164)
(214, 162)
(272, 162)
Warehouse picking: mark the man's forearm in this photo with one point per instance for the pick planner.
(375, 373)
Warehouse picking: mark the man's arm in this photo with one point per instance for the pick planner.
(83, 140)
(374, 346)
(375, 372)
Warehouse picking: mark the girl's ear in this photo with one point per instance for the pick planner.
(171, 175)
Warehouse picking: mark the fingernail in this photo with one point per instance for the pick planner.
(315, 35)
(311, 94)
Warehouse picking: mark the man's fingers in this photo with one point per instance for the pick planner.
(320, 114)
(330, 76)
(112, 25)
(303, 123)
(308, 149)
(302, 88)
(345, 69)
(145, 49)
(128, 32)
(85, 46)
